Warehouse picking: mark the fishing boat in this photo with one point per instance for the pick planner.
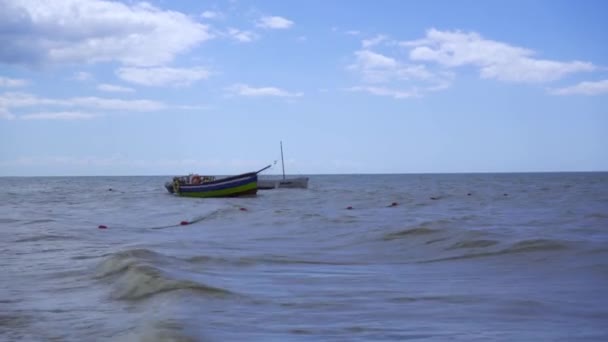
(195, 185)
(285, 182)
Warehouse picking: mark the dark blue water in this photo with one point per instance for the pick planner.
(501, 257)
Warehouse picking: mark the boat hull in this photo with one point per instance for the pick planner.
(240, 185)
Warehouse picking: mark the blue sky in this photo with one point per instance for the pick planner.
(163, 87)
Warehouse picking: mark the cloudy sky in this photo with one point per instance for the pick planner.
(170, 87)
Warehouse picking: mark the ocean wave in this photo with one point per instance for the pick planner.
(121, 261)
(14, 320)
(84, 257)
(290, 261)
(524, 246)
(165, 330)
(598, 215)
(205, 259)
(430, 242)
(601, 249)
(263, 259)
(429, 227)
(141, 281)
(38, 221)
(46, 237)
(473, 244)
(536, 245)
(409, 232)
(136, 276)
(446, 299)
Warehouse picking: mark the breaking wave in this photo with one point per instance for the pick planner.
(135, 275)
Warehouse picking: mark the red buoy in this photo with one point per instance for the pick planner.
(183, 223)
(101, 226)
(243, 209)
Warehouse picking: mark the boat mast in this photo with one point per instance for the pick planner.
(282, 162)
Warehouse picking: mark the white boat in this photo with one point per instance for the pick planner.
(285, 182)
(288, 183)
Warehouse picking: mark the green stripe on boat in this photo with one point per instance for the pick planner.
(223, 192)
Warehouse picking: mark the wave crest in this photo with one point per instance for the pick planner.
(409, 232)
(536, 245)
(524, 246)
(46, 237)
(135, 276)
(473, 244)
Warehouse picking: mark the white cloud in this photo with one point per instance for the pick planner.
(431, 59)
(17, 100)
(115, 104)
(163, 76)
(353, 32)
(369, 60)
(495, 60)
(212, 15)
(245, 90)
(274, 22)
(367, 43)
(82, 76)
(242, 36)
(25, 100)
(378, 68)
(78, 107)
(57, 116)
(73, 31)
(12, 82)
(194, 107)
(583, 88)
(384, 91)
(114, 88)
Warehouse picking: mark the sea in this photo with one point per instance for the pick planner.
(408, 257)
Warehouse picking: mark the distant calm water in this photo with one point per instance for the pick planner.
(501, 257)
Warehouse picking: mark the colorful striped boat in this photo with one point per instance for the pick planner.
(245, 184)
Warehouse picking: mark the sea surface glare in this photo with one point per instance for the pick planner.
(471, 257)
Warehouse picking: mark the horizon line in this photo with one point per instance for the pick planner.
(324, 174)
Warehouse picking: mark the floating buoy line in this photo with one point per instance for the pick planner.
(181, 223)
(185, 223)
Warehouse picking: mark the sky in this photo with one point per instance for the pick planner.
(173, 87)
